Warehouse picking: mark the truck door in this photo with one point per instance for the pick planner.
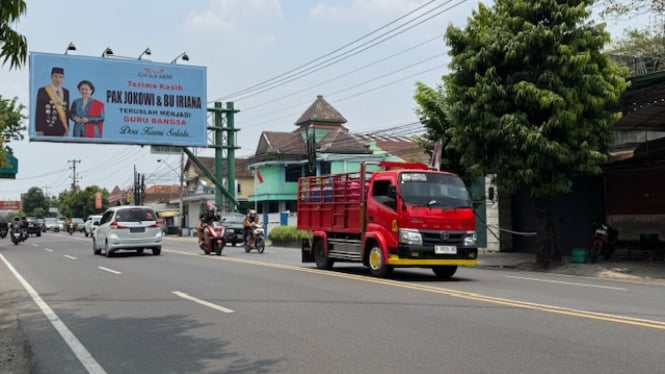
(381, 209)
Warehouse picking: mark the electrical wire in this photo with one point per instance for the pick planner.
(345, 74)
(361, 48)
(261, 84)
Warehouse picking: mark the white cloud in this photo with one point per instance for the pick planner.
(233, 15)
(362, 10)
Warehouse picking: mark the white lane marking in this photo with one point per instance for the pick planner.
(70, 257)
(109, 270)
(202, 302)
(35, 245)
(79, 350)
(569, 283)
(48, 250)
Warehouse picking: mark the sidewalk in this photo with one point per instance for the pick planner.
(641, 271)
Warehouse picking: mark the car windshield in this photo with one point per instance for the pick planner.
(434, 189)
(232, 217)
(135, 215)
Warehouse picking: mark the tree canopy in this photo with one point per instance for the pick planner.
(13, 46)
(81, 203)
(529, 98)
(11, 125)
(642, 51)
(34, 202)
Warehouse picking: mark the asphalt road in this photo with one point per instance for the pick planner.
(184, 312)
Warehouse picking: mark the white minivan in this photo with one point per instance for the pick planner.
(128, 227)
(90, 224)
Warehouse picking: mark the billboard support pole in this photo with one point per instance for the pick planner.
(219, 139)
(230, 150)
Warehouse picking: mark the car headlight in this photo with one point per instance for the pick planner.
(470, 239)
(408, 236)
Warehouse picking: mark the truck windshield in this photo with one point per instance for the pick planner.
(433, 190)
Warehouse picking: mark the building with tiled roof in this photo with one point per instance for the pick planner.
(321, 144)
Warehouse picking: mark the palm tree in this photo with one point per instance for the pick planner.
(13, 46)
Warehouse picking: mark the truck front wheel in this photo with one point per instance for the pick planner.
(377, 263)
(320, 257)
(444, 272)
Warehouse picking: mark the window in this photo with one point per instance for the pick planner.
(293, 172)
(380, 194)
(325, 167)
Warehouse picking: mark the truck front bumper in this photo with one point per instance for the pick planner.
(411, 255)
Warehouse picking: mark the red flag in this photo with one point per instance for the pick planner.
(258, 176)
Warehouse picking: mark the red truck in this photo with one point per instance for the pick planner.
(390, 214)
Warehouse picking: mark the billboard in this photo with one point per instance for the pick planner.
(10, 205)
(83, 99)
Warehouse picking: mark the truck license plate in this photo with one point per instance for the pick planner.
(445, 249)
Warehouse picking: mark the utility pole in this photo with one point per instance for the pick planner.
(181, 206)
(75, 178)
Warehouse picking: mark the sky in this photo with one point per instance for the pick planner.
(313, 47)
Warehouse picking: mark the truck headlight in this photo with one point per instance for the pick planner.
(470, 239)
(408, 236)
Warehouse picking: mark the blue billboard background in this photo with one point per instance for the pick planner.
(135, 101)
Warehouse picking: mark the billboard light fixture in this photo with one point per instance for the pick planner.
(145, 52)
(70, 47)
(182, 55)
(107, 52)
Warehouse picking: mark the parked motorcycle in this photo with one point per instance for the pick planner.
(603, 241)
(256, 239)
(213, 238)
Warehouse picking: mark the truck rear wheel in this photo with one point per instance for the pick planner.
(322, 261)
(377, 263)
(444, 271)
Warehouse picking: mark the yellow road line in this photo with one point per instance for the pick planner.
(453, 293)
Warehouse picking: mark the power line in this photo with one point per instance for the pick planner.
(354, 51)
(261, 84)
(346, 74)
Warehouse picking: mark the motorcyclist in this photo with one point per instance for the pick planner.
(69, 222)
(250, 218)
(209, 216)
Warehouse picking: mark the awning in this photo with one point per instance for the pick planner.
(168, 213)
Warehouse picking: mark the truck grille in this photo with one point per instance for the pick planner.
(431, 238)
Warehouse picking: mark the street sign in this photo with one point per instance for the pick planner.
(164, 149)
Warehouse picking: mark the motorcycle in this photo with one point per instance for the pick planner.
(602, 243)
(4, 230)
(258, 241)
(70, 228)
(18, 233)
(213, 238)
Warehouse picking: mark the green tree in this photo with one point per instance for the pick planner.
(81, 203)
(13, 46)
(432, 114)
(34, 202)
(631, 8)
(11, 120)
(640, 47)
(528, 99)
